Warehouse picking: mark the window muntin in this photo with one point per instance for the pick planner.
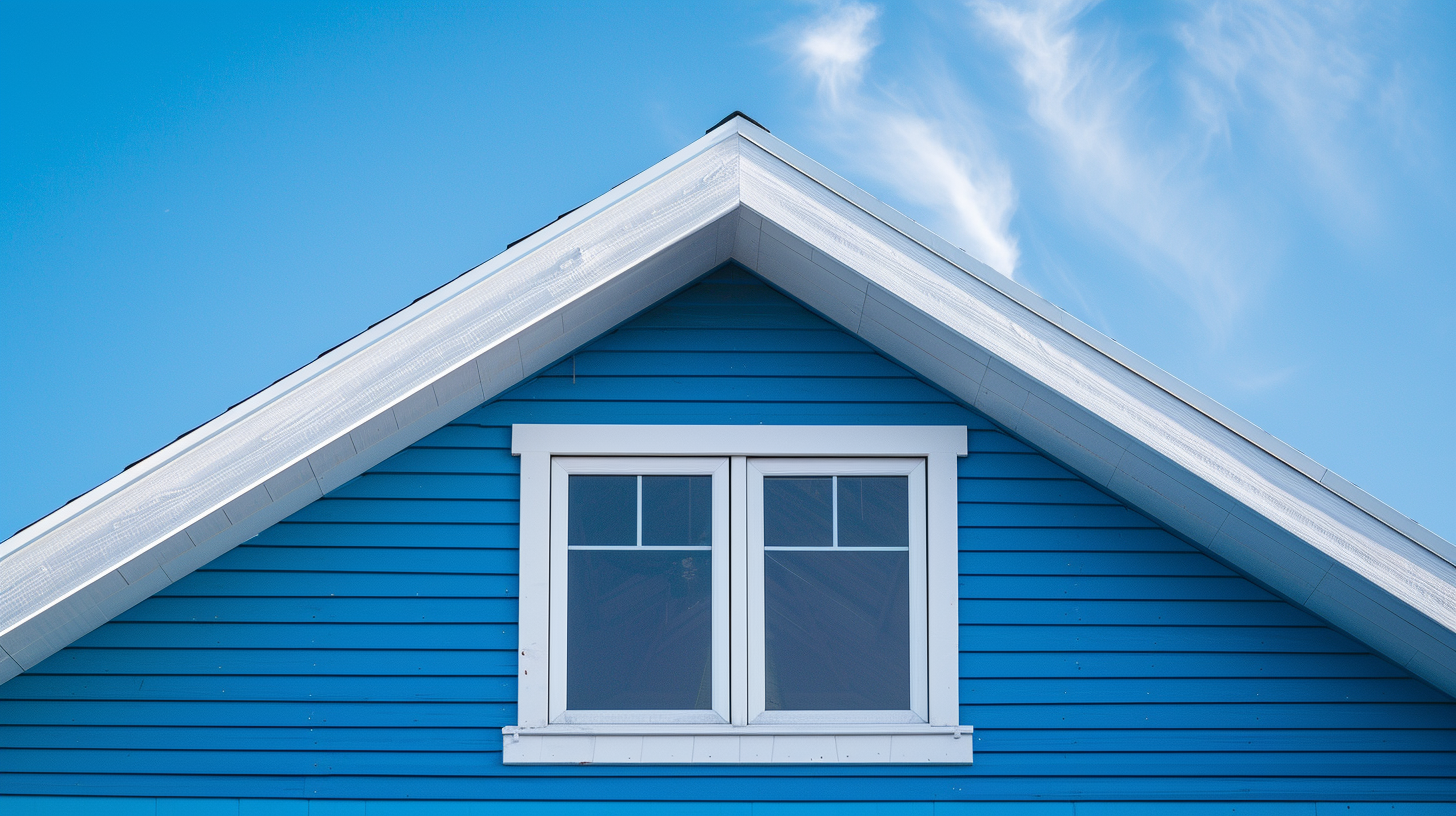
(836, 591)
(639, 624)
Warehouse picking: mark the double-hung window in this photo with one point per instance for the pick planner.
(737, 594)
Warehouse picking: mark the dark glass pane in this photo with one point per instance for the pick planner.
(874, 511)
(677, 511)
(836, 630)
(602, 511)
(640, 629)
(797, 511)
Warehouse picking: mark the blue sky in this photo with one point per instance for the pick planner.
(197, 199)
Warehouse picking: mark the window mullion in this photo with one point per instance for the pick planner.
(738, 589)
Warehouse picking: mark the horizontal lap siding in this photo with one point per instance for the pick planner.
(365, 648)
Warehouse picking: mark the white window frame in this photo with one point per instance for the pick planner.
(562, 469)
(538, 738)
(752, 591)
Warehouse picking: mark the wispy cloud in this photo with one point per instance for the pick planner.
(1166, 151)
(1301, 70)
(1188, 142)
(835, 47)
(924, 143)
(1084, 97)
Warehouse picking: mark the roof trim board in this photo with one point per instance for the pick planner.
(1117, 428)
(739, 192)
(326, 422)
(1086, 334)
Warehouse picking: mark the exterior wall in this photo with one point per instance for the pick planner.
(365, 648)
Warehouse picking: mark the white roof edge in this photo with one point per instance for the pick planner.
(357, 343)
(117, 537)
(1106, 420)
(1125, 357)
(594, 267)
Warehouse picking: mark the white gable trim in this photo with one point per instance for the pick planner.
(1086, 334)
(739, 192)
(1260, 510)
(331, 420)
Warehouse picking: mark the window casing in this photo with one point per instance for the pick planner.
(808, 616)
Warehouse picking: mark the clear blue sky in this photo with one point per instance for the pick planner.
(196, 199)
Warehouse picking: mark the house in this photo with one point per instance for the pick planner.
(731, 486)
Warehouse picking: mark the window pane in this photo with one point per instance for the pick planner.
(677, 511)
(836, 630)
(797, 511)
(602, 511)
(874, 511)
(640, 629)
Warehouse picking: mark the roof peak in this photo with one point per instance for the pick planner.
(736, 114)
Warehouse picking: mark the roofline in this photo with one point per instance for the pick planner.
(197, 436)
(758, 134)
(112, 541)
(1133, 362)
(1110, 416)
(738, 192)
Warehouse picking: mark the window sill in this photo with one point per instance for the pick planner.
(737, 745)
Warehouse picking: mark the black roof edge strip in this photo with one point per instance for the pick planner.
(729, 118)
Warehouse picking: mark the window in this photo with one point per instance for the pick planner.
(639, 551)
(836, 590)
(737, 594)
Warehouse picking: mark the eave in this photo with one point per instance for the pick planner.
(740, 193)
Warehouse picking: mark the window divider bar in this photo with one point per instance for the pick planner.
(828, 549)
(633, 547)
(639, 509)
(834, 507)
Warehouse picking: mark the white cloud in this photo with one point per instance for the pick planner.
(1146, 193)
(925, 145)
(835, 47)
(1175, 151)
(1301, 70)
(1189, 144)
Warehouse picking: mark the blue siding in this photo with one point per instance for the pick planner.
(364, 649)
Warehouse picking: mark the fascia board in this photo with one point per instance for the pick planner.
(1111, 348)
(1060, 384)
(359, 402)
(1116, 426)
(369, 337)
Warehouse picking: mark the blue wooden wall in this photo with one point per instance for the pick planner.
(364, 648)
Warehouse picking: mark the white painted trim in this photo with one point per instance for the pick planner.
(739, 440)
(1060, 387)
(913, 450)
(368, 398)
(920, 607)
(727, 745)
(942, 586)
(533, 673)
(739, 663)
(562, 468)
(757, 660)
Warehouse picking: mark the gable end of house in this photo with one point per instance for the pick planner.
(741, 194)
